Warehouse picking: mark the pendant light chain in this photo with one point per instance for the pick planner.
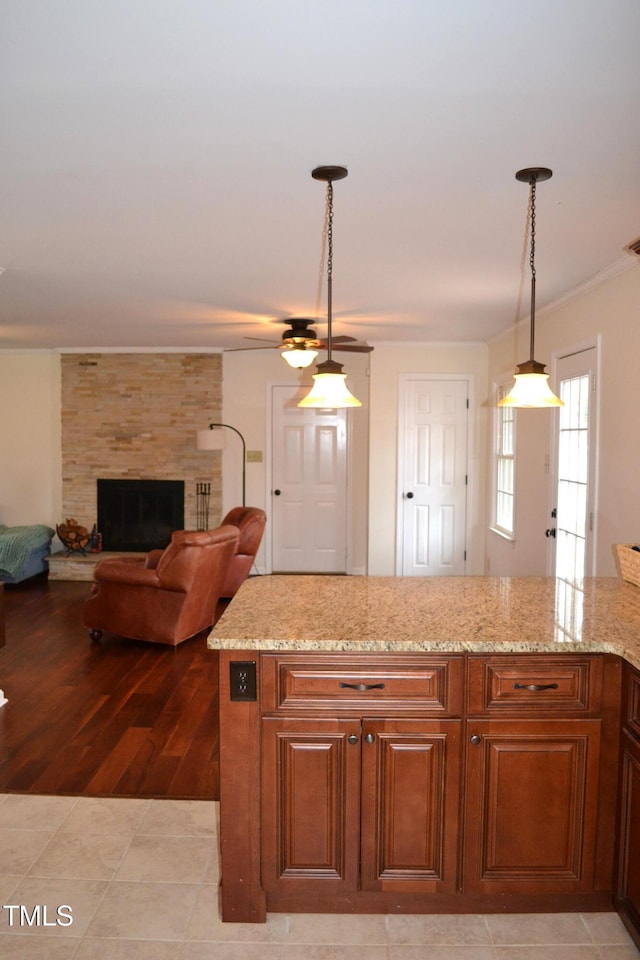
(321, 265)
(532, 263)
(329, 263)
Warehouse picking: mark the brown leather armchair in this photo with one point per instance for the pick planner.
(166, 597)
(250, 522)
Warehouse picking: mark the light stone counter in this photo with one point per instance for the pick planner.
(444, 614)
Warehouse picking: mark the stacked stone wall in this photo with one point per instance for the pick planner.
(135, 416)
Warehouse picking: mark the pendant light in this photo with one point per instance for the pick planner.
(329, 389)
(531, 387)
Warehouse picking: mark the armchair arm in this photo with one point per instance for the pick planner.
(152, 558)
(127, 570)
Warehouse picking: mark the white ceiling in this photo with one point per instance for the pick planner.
(155, 162)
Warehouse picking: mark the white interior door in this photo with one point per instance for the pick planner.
(571, 529)
(432, 476)
(308, 486)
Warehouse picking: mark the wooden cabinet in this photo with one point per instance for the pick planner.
(531, 806)
(540, 775)
(359, 804)
(385, 782)
(360, 771)
(628, 881)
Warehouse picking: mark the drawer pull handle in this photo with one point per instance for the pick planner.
(363, 686)
(535, 687)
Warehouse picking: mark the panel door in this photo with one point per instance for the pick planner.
(433, 476)
(410, 805)
(572, 524)
(309, 486)
(628, 893)
(531, 806)
(310, 805)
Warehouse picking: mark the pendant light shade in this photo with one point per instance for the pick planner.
(531, 387)
(329, 387)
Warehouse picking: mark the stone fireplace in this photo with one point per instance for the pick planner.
(134, 417)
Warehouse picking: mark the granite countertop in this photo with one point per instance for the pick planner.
(444, 614)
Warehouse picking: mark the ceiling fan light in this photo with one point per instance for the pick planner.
(299, 356)
(329, 390)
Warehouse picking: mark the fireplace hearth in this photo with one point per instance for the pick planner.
(139, 515)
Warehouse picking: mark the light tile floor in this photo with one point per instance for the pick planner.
(139, 880)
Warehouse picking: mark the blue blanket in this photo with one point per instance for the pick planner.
(17, 543)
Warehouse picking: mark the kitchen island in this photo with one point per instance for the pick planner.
(421, 745)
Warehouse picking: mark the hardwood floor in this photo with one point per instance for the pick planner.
(119, 718)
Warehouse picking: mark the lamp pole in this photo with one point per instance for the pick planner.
(213, 426)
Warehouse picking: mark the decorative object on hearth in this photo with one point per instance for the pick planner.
(531, 387)
(213, 438)
(95, 540)
(73, 536)
(203, 493)
(329, 389)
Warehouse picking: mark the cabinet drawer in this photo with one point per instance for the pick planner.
(404, 683)
(531, 683)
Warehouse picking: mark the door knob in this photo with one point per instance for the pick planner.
(277, 493)
(550, 533)
(409, 495)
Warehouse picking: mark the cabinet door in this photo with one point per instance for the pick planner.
(628, 894)
(531, 806)
(410, 805)
(310, 805)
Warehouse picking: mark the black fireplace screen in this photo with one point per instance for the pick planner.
(139, 515)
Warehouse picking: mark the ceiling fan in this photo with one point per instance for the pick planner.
(300, 343)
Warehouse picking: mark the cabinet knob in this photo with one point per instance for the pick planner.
(370, 738)
(352, 738)
(475, 739)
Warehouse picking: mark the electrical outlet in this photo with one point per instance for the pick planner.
(242, 679)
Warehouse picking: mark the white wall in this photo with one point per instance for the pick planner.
(388, 361)
(609, 310)
(30, 461)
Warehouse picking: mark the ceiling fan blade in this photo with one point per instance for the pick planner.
(342, 340)
(262, 339)
(353, 347)
(240, 349)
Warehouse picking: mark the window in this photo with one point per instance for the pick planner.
(504, 477)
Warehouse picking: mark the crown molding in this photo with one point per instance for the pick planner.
(614, 270)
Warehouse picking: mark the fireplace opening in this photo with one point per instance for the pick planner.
(139, 515)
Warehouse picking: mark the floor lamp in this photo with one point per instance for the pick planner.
(214, 439)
